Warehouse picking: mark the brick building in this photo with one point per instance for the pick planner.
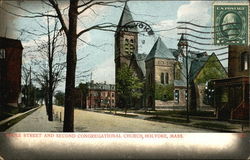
(100, 95)
(10, 72)
(232, 94)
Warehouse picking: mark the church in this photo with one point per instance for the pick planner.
(163, 69)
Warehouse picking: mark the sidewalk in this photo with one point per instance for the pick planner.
(37, 122)
(207, 123)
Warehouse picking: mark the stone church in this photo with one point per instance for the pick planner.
(163, 70)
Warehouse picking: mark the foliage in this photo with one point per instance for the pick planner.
(59, 98)
(128, 86)
(164, 92)
(211, 70)
(84, 88)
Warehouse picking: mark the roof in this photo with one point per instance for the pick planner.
(126, 17)
(140, 60)
(101, 86)
(160, 50)
(196, 66)
(182, 39)
(10, 43)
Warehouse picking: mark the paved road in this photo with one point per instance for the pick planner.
(87, 121)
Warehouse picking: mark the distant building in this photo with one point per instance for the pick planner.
(232, 94)
(10, 72)
(100, 95)
(95, 95)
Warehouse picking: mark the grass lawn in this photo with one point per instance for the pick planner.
(181, 113)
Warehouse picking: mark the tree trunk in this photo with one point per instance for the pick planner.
(50, 94)
(68, 125)
(50, 80)
(46, 102)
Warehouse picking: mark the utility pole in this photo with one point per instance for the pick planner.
(187, 77)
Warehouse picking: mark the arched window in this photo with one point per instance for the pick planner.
(244, 58)
(166, 78)
(162, 78)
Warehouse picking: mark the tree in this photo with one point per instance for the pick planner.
(50, 72)
(128, 87)
(84, 92)
(59, 98)
(164, 92)
(75, 9)
(69, 27)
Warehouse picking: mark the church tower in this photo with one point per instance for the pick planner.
(126, 48)
(182, 44)
(126, 40)
(159, 73)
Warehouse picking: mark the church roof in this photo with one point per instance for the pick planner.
(125, 18)
(140, 60)
(182, 39)
(160, 50)
(196, 66)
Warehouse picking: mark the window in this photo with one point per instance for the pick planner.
(162, 78)
(166, 78)
(113, 94)
(2, 53)
(186, 94)
(244, 61)
(176, 96)
(164, 97)
(129, 46)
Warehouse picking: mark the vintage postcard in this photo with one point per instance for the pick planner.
(129, 79)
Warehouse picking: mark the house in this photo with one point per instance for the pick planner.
(10, 72)
(232, 94)
(95, 95)
(163, 69)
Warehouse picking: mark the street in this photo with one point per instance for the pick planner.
(87, 121)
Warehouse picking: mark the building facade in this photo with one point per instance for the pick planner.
(10, 72)
(232, 94)
(100, 95)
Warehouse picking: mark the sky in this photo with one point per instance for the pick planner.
(162, 16)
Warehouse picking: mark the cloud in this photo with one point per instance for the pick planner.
(196, 12)
(105, 71)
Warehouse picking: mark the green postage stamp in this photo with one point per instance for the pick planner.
(230, 24)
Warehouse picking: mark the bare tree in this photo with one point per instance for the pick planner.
(75, 8)
(50, 73)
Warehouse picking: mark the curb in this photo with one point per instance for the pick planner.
(7, 123)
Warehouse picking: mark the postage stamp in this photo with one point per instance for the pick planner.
(231, 24)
